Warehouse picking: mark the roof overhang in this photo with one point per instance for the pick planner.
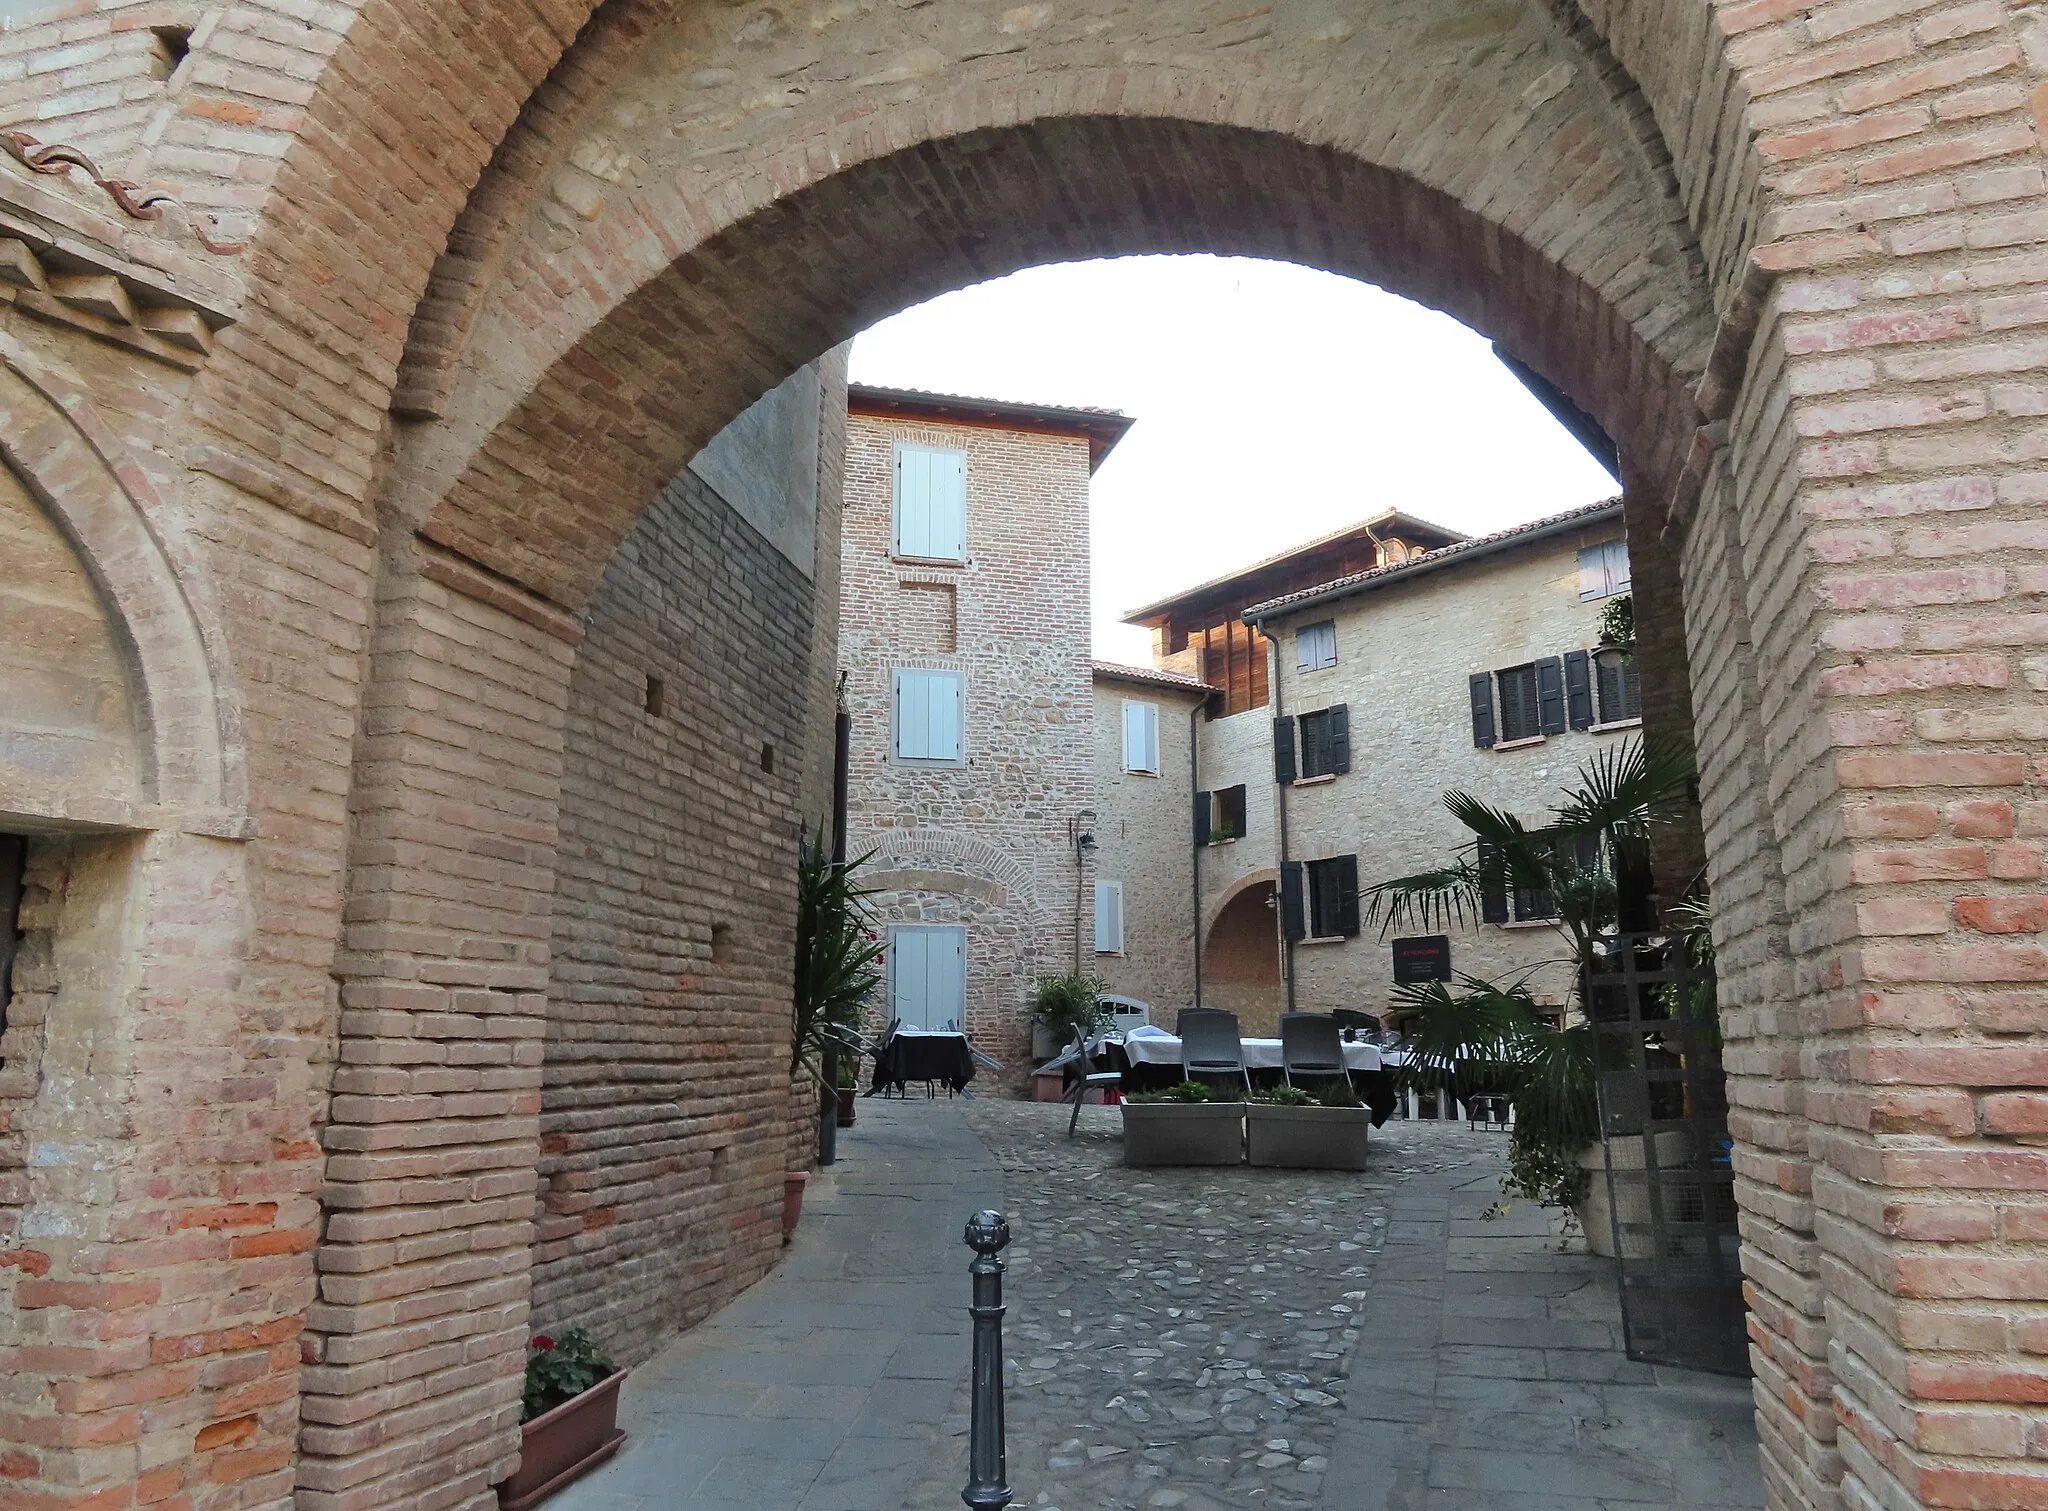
(1101, 428)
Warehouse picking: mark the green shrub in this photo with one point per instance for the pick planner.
(1068, 1002)
(1186, 1091)
(560, 1369)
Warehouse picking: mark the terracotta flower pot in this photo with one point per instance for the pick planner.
(564, 1443)
(792, 1201)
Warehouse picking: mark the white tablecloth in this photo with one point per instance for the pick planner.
(1154, 1047)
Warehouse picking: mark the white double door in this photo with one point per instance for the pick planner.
(928, 975)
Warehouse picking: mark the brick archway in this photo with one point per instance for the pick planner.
(1814, 228)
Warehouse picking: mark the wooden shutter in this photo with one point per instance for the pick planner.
(1283, 750)
(929, 719)
(1482, 710)
(1493, 885)
(1550, 696)
(1109, 918)
(1293, 925)
(1340, 737)
(1618, 574)
(931, 502)
(909, 975)
(1234, 809)
(1347, 895)
(1578, 690)
(1203, 801)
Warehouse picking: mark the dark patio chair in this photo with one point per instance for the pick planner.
(1211, 1046)
(1085, 1079)
(1310, 1046)
(1363, 1027)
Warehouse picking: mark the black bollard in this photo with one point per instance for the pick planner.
(988, 1480)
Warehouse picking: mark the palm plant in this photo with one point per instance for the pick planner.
(1591, 863)
(838, 956)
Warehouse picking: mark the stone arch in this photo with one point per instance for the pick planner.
(1266, 876)
(1241, 970)
(912, 859)
(157, 597)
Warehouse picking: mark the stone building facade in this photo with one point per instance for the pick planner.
(355, 340)
(964, 639)
(1145, 900)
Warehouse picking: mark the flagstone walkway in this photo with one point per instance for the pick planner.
(1178, 1339)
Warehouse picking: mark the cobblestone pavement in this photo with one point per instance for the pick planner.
(1211, 1339)
(1207, 1340)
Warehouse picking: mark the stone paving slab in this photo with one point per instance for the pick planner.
(1186, 1340)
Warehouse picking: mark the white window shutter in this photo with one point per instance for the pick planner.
(947, 716)
(1141, 736)
(1617, 566)
(909, 962)
(949, 505)
(948, 956)
(1109, 918)
(929, 715)
(931, 502)
(1151, 740)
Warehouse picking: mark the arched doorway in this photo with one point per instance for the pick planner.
(1241, 959)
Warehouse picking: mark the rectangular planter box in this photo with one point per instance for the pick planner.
(1306, 1138)
(1183, 1133)
(564, 1442)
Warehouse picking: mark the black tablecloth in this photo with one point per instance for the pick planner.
(923, 1057)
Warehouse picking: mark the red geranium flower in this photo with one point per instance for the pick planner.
(544, 1343)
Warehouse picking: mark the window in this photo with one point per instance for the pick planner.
(1518, 716)
(1219, 816)
(927, 976)
(931, 503)
(1621, 688)
(1109, 918)
(1325, 744)
(1141, 736)
(928, 718)
(1603, 570)
(1501, 903)
(1315, 646)
(1319, 898)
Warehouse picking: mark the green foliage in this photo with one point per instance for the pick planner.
(1068, 1002)
(1186, 1091)
(1618, 624)
(838, 956)
(560, 1369)
(1283, 1096)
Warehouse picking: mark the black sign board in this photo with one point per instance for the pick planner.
(1426, 957)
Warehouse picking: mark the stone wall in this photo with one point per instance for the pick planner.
(1404, 654)
(984, 844)
(1145, 841)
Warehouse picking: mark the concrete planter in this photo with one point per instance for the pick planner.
(564, 1443)
(1183, 1133)
(1044, 1043)
(1596, 1214)
(1306, 1138)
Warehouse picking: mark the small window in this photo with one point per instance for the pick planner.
(1109, 918)
(1326, 742)
(1333, 897)
(928, 716)
(1621, 688)
(1603, 570)
(1520, 715)
(1226, 814)
(1141, 736)
(1315, 646)
(930, 505)
(1501, 903)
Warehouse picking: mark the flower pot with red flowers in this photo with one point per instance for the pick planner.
(570, 1424)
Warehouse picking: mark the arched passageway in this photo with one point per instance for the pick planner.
(1241, 959)
(510, 271)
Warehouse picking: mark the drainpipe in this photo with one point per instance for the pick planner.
(1280, 712)
(1195, 850)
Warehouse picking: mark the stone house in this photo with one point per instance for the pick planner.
(1148, 726)
(964, 641)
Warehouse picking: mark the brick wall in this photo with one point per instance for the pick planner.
(1145, 842)
(984, 845)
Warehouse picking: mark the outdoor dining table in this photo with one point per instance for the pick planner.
(915, 1054)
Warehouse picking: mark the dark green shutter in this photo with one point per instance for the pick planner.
(1550, 696)
(1493, 885)
(1347, 895)
(1340, 737)
(1283, 750)
(1482, 710)
(1237, 810)
(1292, 924)
(1578, 690)
(1201, 818)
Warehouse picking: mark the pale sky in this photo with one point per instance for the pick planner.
(1274, 403)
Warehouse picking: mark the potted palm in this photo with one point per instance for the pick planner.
(1591, 865)
(569, 1417)
(1293, 1128)
(1183, 1125)
(838, 955)
(1061, 1006)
